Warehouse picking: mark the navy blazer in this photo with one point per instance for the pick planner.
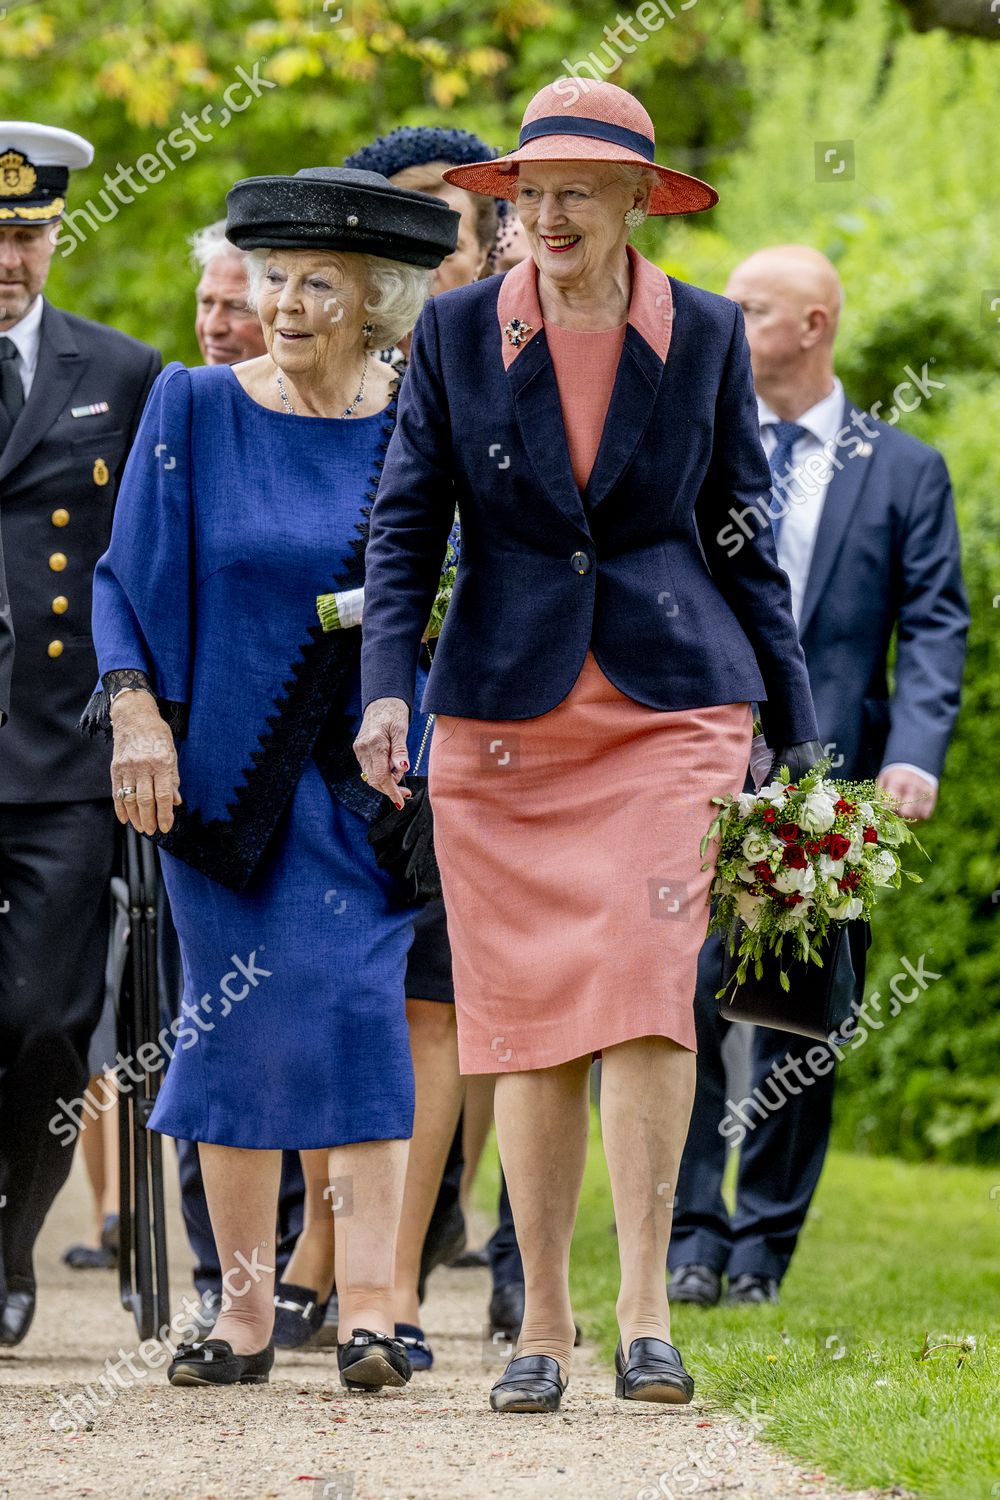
(886, 561)
(632, 568)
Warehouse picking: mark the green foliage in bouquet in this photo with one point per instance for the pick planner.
(795, 857)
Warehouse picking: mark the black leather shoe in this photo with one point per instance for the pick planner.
(506, 1313)
(297, 1315)
(15, 1319)
(213, 1362)
(750, 1288)
(531, 1382)
(699, 1285)
(368, 1361)
(652, 1372)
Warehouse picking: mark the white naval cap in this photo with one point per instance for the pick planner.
(35, 163)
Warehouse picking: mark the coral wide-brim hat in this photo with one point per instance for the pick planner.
(574, 119)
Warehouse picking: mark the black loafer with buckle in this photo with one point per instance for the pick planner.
(652, 1372)
(368, 1361)
(212, 1362)
(298, 1314)
(532, 1382)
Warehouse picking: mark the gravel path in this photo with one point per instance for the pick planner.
(303, 1438)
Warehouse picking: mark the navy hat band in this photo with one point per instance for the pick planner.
(619, 135)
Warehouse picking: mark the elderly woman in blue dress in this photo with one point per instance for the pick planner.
(233, 714)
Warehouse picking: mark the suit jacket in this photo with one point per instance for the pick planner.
(6, 643)
(886, 560)
(632, 568)
(59, 476)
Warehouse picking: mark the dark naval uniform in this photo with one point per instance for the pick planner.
(6, 643)
(60, 463)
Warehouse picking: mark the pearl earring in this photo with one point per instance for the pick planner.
(634, 217)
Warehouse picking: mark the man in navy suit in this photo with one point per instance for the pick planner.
(865, 529)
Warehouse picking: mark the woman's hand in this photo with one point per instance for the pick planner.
(145, 760)
(381, 747)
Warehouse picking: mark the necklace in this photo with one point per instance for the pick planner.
(348, 410)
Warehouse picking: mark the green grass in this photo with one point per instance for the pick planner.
(891, 1252)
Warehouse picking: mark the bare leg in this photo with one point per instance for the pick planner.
(647, 1089)
(477, 1117)
(367, 1182)
(311, 1263)
(434, 1045)
(92, 1149)
(241, 1187)
(109, 1135)
(542, 1119)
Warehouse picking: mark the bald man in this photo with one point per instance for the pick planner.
(865, 529)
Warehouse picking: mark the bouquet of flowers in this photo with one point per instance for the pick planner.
(341, 611)
(795, 858)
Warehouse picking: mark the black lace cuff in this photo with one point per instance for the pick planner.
(96, 717)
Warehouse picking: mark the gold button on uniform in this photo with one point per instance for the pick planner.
(55, 648)
(60, 517)
(57, 561)
(60, 604)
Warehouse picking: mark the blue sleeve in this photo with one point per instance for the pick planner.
(932, 626)
(410, 522)
(143, 586)
(746, 569)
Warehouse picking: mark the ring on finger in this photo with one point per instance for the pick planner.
(125, 793)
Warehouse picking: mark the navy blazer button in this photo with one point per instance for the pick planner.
(580, 562)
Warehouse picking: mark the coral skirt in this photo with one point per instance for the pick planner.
(570, 862)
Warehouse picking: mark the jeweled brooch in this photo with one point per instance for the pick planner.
(517, 331)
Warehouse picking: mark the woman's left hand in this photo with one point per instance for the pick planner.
(381, 747)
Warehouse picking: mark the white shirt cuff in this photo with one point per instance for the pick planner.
(904, 765)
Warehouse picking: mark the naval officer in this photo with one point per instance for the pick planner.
(71, 394)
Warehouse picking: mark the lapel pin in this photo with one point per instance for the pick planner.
(94, 410)
(516, 331)
(101, 472)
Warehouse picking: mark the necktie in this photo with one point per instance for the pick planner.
(787, 434)
(11, 389)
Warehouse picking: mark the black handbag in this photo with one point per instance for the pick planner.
(403, 841)
(819, 1000)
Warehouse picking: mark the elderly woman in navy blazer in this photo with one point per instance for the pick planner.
(594, 421)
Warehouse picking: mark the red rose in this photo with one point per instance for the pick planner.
(838, 845)
(813, 847)
(787, 831)
(763, 870)
(770, 815)
(844, 807)
(870, 835)
(794, 857)
(824, 842)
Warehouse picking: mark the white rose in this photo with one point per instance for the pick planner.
(882, 866)
(749, 906)
(756, 846)
(830, 867)
(855, 853)
(816, 812)
(803, 881)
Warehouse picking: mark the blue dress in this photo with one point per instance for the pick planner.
(230, 520)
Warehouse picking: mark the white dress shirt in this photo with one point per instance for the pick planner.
(25, 336)
(805, 497)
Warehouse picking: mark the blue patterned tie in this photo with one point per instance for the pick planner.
(788, 434)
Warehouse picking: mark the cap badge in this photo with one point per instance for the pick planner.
(17, 174)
